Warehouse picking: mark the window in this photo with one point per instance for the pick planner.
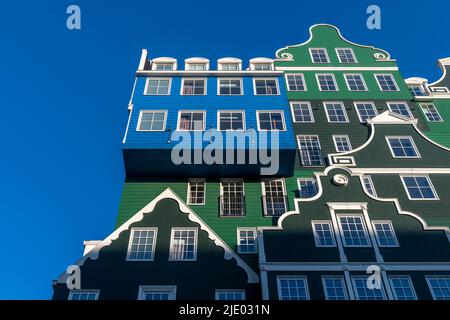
(335, 112)
(263, 66)
(327, 82)
(310, 151)
(363, 292)
(84, 294)
(342, 143)
(366, 110)
(400, 108)
(192, 87)
(334, 288)
(296, 82)
(403, 147)
(416, 91)
(157, 293)
(355, 82)
(270, 120)
(307, 188)
(196, 66)
(419, 188)
(160, 86)
(230, 86)
(346, 55)
(402, 287)
(292, 288)
(439, 287)
(230, 295)
(141, 246)
(191, 121)
(319, 55)
(430, 111)
(183, 244)
(274, 197)
(196, 192)
(368, 185)
(230, 66)
(232, 198)
(353, 230)
(386, 82)
(301, 112)
(231, 120)
(323, 234)
(265, 86)
(247, 240)
(152, 120)
(163, 66)
(384, 232)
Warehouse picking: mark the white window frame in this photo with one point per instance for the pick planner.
(303, 277)
(205, 91)
(130, 243)
(386, 74)
(343, 108)
(276, 83)
(369, 177)
(391, 277)
(341, 231)
(271, 111)
(410, 138)
(169, 88)
(353, 55)
(151, 111)
(316, 235)
(87, 291)
(426, 105)
(334, 81)
(172, 234)
(307, 179)
(364, 102)
(436, 197)
(263, 191)
(295, 74)
(344, 286)
(171, 289)
(239, 239)
(190, 111)
(362, 78)
(389, 222)
(390, 103)
(342, 136)
(244, 207)
(326, 54)
(244, 128)
(308, 103)
(188, 198)
(365, 279)
(310, 137)
(240, 291)
(241, 86)
(428, 277)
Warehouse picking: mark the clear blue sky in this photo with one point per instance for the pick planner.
(65, 94)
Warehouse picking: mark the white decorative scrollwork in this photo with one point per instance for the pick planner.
(380, 56)
(340, 180)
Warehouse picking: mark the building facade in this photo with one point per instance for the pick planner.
(318, 174)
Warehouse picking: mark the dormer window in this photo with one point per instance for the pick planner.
(196, 64)
(229, 64)
(416, 91)
(230, 67)
(261, 64)
(164, 64)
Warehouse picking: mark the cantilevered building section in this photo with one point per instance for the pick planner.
(356, 178)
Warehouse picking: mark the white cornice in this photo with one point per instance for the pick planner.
(191, 73)
(338, 68)
(355, 266)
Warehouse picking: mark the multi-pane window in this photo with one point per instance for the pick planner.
(159, 86)
(310, 151)
(346, 55)
(191, 121)
(230, 66)
(152, 120)
(157, 293)
(274, 197)
(230, 86)
(163, 66)
(230, 295)
(84, 294)
(183, 244)
(270, 120)
(247, 240)
(439, 287)
(364, 292)
(430, 111)
(319, 55)
(307, 188)
(232, 198)
(368, 185)
(386, 82)
(403, 147)
(266, 86)
(334, 288)
(419, 188)
(416, 91)
(353, 230)
(196, 191)
(196, 66)
(193, 87)
(400, 108)
(402, 288)
(355, 82)
(231, 120)
(141, 246)
(327, 82)
(342, 143)
(323, 234)
(385, 234)
(302, 112)
(292, 288)
(335, 112)
(296, 82)
(263, 66)
(366, 110)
